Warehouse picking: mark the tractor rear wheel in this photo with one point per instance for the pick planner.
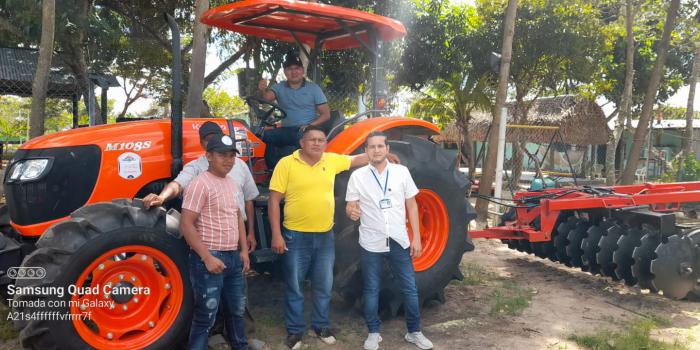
(114, 275)
(444, 215)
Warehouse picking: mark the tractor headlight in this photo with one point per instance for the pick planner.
(30, 169)
(16, 171)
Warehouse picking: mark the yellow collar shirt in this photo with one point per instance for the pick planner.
(383, 213)
(309, 203)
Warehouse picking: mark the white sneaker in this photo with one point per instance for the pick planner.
(419, 339)
(372, 342)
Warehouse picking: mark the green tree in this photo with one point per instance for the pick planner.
(555, 50)
(650, 97)
(43, 70)
(453, 79)
(223, 105)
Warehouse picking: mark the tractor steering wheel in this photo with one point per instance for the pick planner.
(267, 116)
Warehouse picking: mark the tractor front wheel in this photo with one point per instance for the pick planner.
(112, 276)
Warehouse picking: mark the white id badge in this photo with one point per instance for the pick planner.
(385, 203)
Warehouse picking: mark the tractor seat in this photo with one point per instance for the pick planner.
(336, 118)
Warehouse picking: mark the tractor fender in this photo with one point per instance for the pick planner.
(350, 139)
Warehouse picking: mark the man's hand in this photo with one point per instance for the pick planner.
(252, 243)
(245, 259)
(152, 200)
(214, 265)
(416, 248)
(393, 158)
(352, 210)
(278, 244)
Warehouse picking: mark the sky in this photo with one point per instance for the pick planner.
(230, 85)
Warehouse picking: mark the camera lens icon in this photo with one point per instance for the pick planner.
(26, 272)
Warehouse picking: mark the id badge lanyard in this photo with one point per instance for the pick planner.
(385, 202)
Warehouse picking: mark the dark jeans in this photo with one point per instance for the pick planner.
(227, 288)
(312, 253)
(279, 143)
(402, 269)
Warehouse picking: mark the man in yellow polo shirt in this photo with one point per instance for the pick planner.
(305, 180)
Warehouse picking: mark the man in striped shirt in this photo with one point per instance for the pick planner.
(213, 227)
(240, 173)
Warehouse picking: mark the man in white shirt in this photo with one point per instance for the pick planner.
(240, 174)
(380, 194)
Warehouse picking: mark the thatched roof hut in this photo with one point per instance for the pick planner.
(580, 121)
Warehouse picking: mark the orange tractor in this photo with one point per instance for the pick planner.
(99, 271)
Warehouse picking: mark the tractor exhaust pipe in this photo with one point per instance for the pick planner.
(176, 101)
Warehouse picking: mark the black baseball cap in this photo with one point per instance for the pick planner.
(209, 128)
(291, 60)
(221, 144)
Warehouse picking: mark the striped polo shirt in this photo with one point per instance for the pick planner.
(213, 198)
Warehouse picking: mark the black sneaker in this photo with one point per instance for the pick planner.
(325, 335)
(293, 341)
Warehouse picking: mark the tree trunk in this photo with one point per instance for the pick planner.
(689, 112)
(199, 53)
(43, 69)
(626, 105)
(489, 169)
(468, 151)
(650, 95)
(464, 145)
(520, 116)
(75, 58)
(516, 168)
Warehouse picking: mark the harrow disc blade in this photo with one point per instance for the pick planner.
(517, 246)
(589, 245)
(523, 245)
(642, 255)
(561, 240)
(675, 267)
(537, 248)
(512, 244)
(622, 257)
(575, 238)
(547, 250)
(694, 236)
(608, 245)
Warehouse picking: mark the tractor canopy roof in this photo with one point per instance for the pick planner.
(320, 26)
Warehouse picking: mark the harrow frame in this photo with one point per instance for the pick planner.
(627, 233)
(531, 205)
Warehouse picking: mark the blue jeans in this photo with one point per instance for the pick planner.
(312, 254)
(209, 291)
(279, 138)
(402, 269)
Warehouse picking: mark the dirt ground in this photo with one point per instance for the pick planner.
(564, 302)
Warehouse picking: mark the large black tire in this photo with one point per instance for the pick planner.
(695, 237)
(7, 234)
(5, 227)
(67, 249)
(431, 169)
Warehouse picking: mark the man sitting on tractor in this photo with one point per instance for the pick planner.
(304, 103)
